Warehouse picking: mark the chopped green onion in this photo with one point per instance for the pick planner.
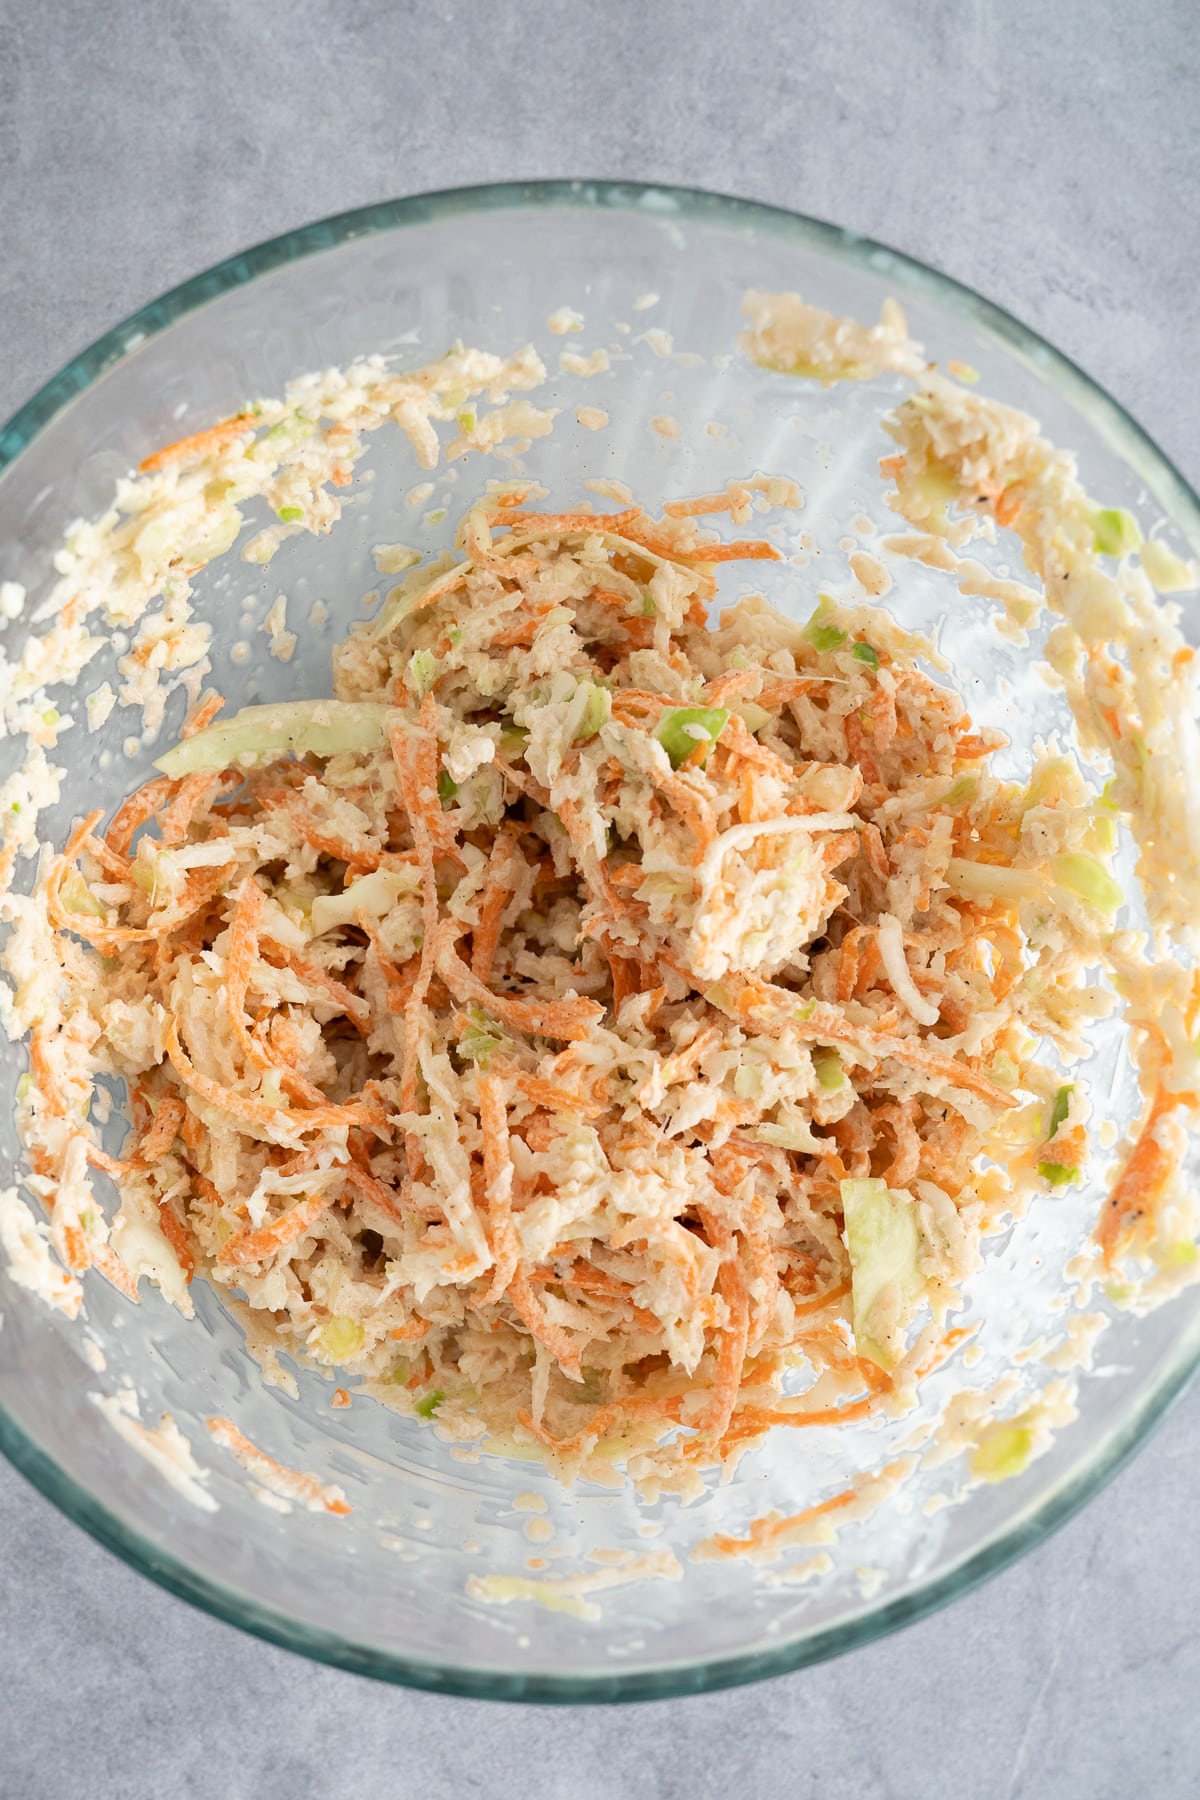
(1057, 1175)
(1090, 880)
(866, 653)
(446, 785)
(680, 731)
(827, 1066)
(289, 514)
(1114, 533)
(428, 1404)
(1060, 1109)
(819, 632)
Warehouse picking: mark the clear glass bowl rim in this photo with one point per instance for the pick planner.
(1169, 487)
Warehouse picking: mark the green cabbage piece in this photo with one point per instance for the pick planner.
(1114, 533)
(262, 734)
(961, 791)
(1083, 875)
(827, 1066)
(1002, 1450)
(1057, 1175)
(290, 514)
(1168, 573)
(446, 785)
(866, 653)
(753, 716)
(680, 731)
(422, 672)
(341, 1337)
(819, 632)
(884, 1242)
(596, 711)
(428, 1404)
(77, 897)
(1060, 1109)
(748, 1081)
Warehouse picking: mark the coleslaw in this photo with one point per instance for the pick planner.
(589, 1015)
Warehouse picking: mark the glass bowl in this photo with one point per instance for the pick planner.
(388, 1590)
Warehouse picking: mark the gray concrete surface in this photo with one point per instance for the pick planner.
(1046, 154)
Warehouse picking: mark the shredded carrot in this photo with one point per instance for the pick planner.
(1139, 1187)
(699, 507)
(605, 1419)
(106, 1262)
(200, 443)
(374, 1190)
(530, 1311)
(727, 1380)
(161, 1133)
(761, 1418)
(175, 1232)
(556, 1099)
(772, 1533)
(43, 1075)
(1009, 504)
(559, 524)
(242, 1106)
(288, 1483)
(493, 901)
(568, 1019)
(498, 1182)
(111, 1165)
(745, 550)
(202, 715)
(259, 1244)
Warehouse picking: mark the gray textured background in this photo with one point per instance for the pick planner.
(1046, 154)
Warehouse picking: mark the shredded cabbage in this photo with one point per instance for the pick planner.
(883, 1239)
(260, 734)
